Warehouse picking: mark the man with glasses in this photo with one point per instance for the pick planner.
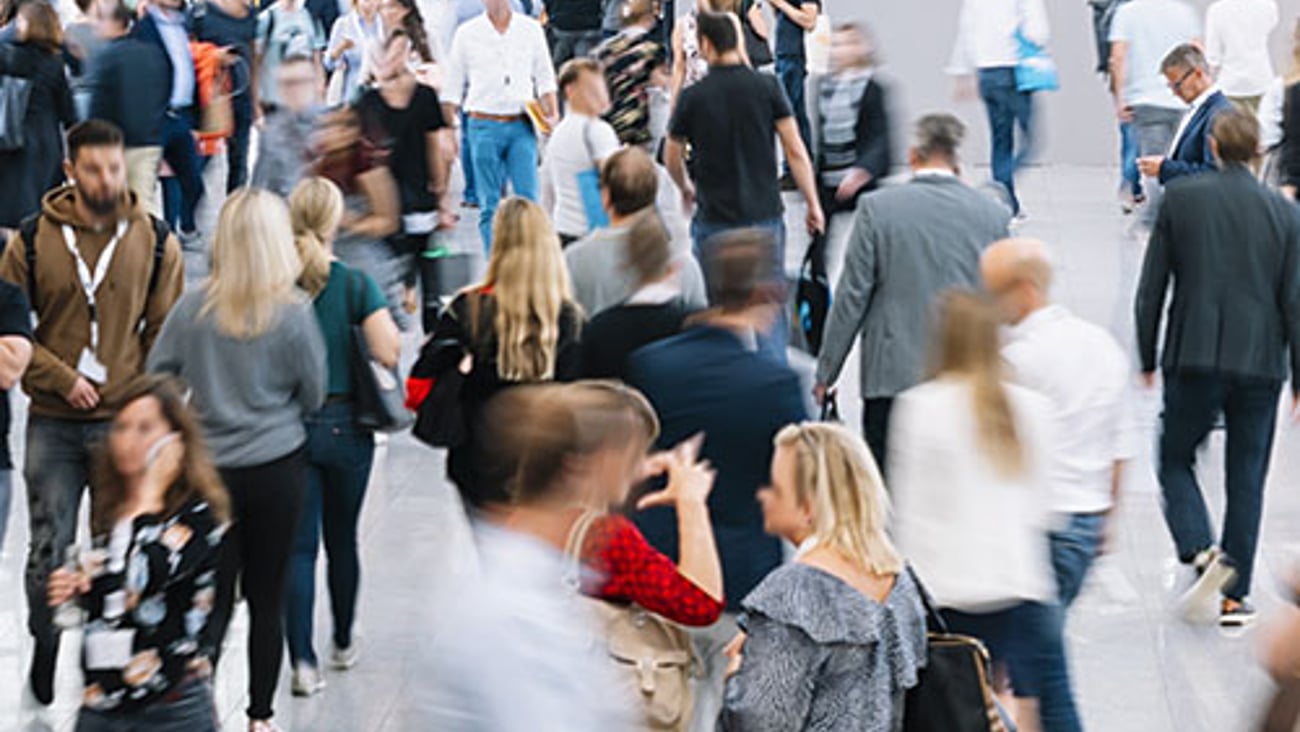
(1188, 74)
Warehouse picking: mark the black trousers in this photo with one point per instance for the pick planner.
(875, 428)
(265, 502)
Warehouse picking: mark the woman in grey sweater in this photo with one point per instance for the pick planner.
(833, 640)
(248, 344)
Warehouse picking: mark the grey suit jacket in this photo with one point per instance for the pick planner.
(909, 243)
(1232, 249)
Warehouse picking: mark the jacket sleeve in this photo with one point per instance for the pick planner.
(104, 91)
(47, 373)
(873, 132)
(165, 355)
(773, 690)
(170, 282)
(1149, 304)
(568, 350)
(1291, 136)
(852, 296)
(1171, 169)
(1290, 295)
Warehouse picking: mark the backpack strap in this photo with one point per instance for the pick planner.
(161, 230)
(27, 230)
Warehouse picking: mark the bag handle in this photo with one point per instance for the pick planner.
(932, 617)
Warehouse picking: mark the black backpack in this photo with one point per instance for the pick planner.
(27, 230)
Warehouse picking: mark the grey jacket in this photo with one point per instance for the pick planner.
(909, 243)
(600, 280)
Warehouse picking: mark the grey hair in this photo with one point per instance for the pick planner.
(1185, 56)
(939, 135)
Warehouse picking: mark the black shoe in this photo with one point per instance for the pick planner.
(787, 183)
(41, 675)
(1235, 613)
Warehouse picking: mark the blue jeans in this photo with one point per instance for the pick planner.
(59, 458)
(339, 458)
(1073, 550)
(1007, 108)
(772, 344)
(793, 73)
(1128, 155)
(1028, 638)
(193, 710)
(182, 155)
(501, 151)
(1193, 402)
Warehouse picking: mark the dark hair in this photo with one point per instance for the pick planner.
(43, 27)
(1236, 135)
(573, 69)
(630, 177)
(649, 247)
(119, 13)
(939, 135)
(93, 133)
(198, 478)
(718, 29)
(1185, 56)
(742, 265)
(413, 26)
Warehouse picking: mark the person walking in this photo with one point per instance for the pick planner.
(974, 507)
(285, 138)
(355, 41)
(794, 19)
(285, 29)
(248, 345)
(1085, 374)
(232, 25)
(578, 146)
(573, 28)
(498, 65)
(1236, 46)
(1210, 363)
(988, 45)
(15, 356)
(1188, 75)
(90, 340)
(909, 243)
(633, 61)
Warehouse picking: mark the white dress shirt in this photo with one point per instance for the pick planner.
(498, 73)
(1270, 114)
(1236, 43)
(977, 538)
(1080, 368)
(986, 33)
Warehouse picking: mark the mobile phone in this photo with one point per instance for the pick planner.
(157, 447)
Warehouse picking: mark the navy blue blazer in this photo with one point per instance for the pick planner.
(146, 29)
(1193, 155)
(704, 380)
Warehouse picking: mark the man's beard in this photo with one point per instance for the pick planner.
(101, 206)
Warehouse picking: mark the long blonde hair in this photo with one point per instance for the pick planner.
(254, 265)
(836, 475)
(530, 283)
(315, 210)
(967, 346)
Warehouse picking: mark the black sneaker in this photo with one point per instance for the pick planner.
(1235, 613)
(1214, 572)
(41, 675)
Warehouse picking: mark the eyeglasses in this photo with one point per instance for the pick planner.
(1176, 86)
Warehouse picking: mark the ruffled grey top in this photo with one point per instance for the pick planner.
(822, 656)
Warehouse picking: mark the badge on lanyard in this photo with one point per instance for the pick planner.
(89, 365)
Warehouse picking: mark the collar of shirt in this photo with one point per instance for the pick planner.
(933, 173)
(656, 293)
(1199, 102)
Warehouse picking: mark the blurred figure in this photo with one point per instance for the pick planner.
(518, 326)
(834, 639)
(710, 379)
(83, 44)
(354, 42)
(1131, 194)
(82, 358)
(127, 63)
(248, 345)
(1279, 122)
(655, 310)
(1188, 75)
(573, 28)
(15, 355)
(1085, 374)
(974, 507)
(1211, 364)
(157, 520)
(1282, 660)
(1236, 46)
(987, 44)
(689, 64)
(232, 25)
(283, 156)
(633, 61)
(909, 243)
(339, 453)
(285, 29)
(404, 15)
(794, 19)
(27, 172)
(597, 264)
(577, 148)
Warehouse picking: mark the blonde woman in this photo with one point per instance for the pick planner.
(247, 344)
(833, 640)
(339, 454)
(518, 326)
(967, 465)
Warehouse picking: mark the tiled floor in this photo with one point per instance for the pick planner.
(1137, 668)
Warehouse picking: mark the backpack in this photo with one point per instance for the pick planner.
(27, 230)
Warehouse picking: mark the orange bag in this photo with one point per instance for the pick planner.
(216, 118)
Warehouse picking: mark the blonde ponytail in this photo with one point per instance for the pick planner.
(315, 210)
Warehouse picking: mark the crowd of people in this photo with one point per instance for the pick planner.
(668, 537)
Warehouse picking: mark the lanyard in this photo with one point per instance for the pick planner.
(90, 283)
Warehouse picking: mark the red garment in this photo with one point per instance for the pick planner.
(630, 570)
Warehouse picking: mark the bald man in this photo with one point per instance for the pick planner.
(1086, 375)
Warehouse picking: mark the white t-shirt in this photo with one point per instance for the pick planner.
(577, 144)
(1236, 43)
(1152, 28)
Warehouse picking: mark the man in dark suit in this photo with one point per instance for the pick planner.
(1188, 74)
(711, 379)
(1232, 248)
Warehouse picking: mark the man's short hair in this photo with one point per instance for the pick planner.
(573, 69)
(719, 29)
(93, 133)
(1185, 56)
(631, 179)
(741, 265)
(939, 136)
(1236, 134)
(649, 247)
(117, 12)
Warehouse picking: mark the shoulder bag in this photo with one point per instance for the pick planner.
(812, 298)
(756, 46)
(15, 94)
(440, 419)
(378, 401)
(589, 186)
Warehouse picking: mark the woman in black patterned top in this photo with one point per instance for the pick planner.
(149, 582)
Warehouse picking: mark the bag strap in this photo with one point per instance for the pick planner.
(933, 619)
(572, 576)
(27, 230)
(161, 230)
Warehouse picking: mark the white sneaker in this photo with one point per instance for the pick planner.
(345, 658)
(1200, 604)
(306, 680)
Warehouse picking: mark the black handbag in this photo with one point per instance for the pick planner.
(378, 401)
(756, 46)
(812, 298)
(953, 692)
(15, 94)
(440, 419)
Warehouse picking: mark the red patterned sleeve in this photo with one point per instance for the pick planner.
(629, 569)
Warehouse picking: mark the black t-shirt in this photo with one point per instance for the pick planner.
(729, 118)
(216, 26)
(403, 132)
(15, 320)
(610, 338)
(575, 15)
(789, 34)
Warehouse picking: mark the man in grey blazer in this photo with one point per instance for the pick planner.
(909, 243)
(1232, 249)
